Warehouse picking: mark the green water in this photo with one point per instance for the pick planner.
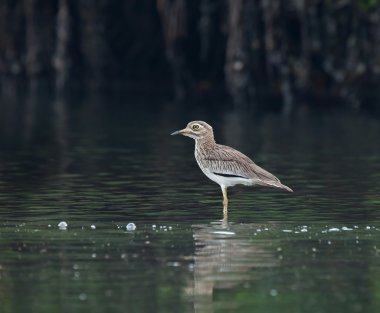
(98, 166)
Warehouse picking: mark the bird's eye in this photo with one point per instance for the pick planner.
(195, 127)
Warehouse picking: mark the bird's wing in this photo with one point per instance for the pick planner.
(230, 162)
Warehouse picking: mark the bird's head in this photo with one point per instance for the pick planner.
(196, 130)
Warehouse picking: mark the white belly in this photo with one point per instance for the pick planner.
(226, 181)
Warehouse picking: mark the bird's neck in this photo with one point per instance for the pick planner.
(205, 141)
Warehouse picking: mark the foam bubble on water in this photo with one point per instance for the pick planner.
(334, 229)
(273, 292)
(82, 297)
(346, 228)
(174, 264)
(93, 226)
(287, 230)
(131, 226)
(368, 227)
(304, 230)
(62, 225)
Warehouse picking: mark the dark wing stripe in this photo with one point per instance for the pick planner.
(229, 175)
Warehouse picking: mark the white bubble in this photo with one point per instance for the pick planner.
(334, 229)
(273, 292)
(131, 226)
(93, 226)
(82, 297)
(174, 264)
(62, 225)
(346, 228)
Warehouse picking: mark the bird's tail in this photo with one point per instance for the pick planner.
(277, 184)
(286, 188)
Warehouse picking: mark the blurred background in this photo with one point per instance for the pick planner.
(252, 51)
(275, 78)
(297, 79)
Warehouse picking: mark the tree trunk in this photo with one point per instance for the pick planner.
(62, 56)
(11, 37)
(39, 37)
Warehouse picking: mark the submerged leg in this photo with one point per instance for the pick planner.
(225, 202)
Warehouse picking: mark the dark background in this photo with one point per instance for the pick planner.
(327, 52)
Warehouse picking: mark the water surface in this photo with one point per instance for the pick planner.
(101, 162)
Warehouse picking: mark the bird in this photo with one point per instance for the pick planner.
(225, 165)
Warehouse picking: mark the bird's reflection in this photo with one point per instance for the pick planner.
(226, 256)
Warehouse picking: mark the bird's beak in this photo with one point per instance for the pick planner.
(179, 132)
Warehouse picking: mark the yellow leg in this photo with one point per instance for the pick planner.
(225, 203)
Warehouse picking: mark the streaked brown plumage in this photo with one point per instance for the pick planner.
(225, 165)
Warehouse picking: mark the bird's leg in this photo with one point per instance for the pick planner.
(225, 202)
